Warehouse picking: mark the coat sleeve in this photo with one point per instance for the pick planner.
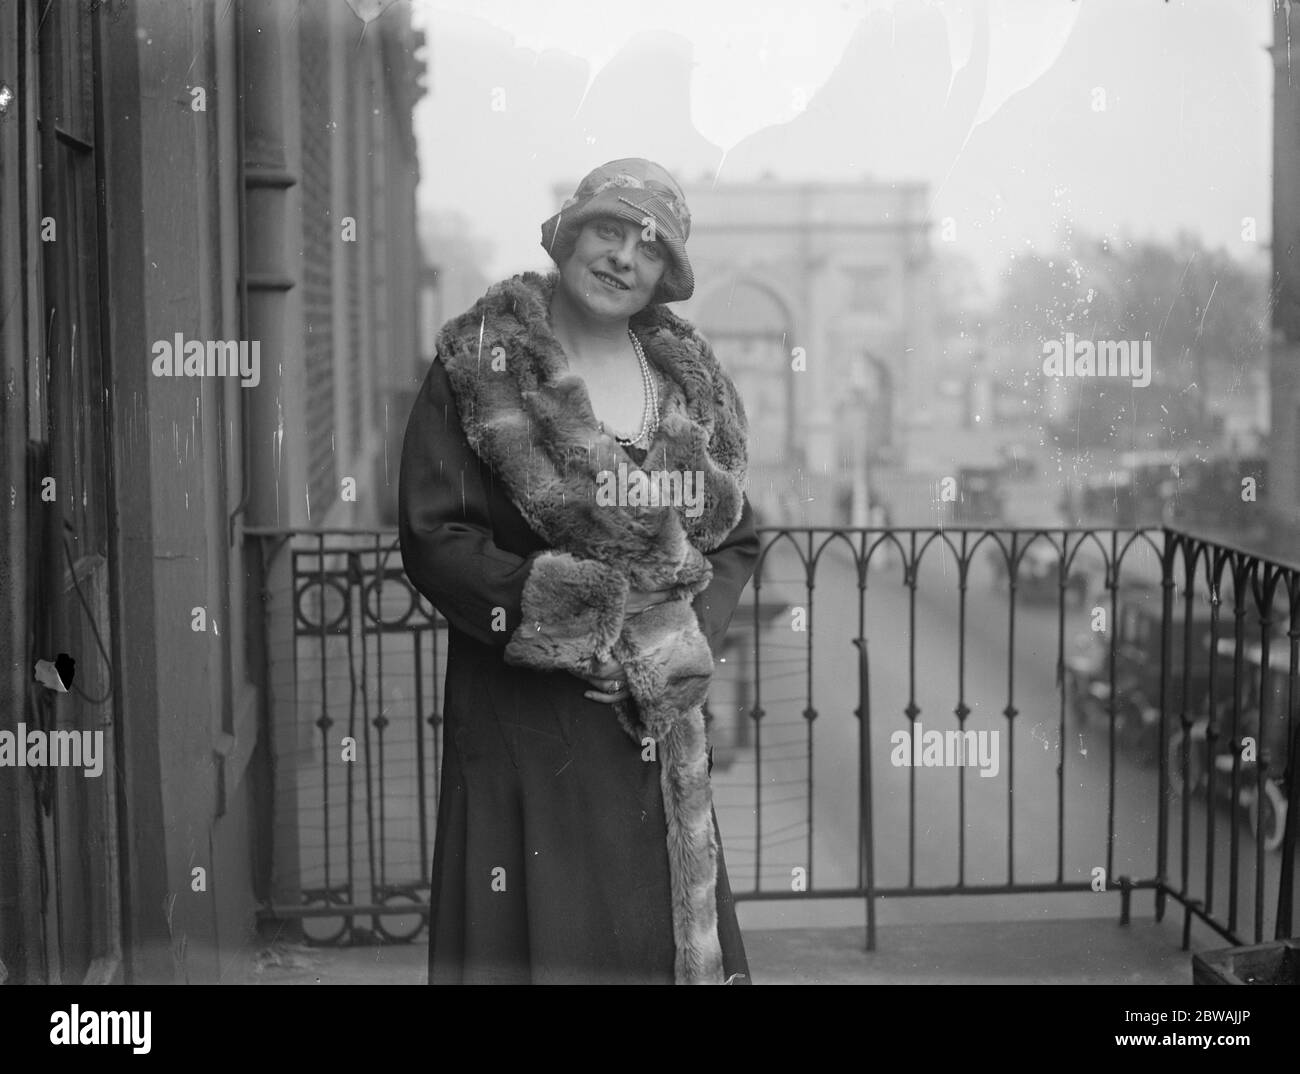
(734, 559)
(558, 610)
(733, 565)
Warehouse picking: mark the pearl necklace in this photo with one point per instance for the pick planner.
(650, 419)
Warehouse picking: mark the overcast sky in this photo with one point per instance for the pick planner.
(1130, 118)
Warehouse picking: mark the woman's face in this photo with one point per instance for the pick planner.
(613, 272)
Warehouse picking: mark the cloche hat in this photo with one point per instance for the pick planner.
(630, 189)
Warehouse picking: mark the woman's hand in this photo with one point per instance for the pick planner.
(608, 681)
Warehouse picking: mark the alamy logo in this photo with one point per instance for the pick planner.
(75, 1026)
(211, 358)
(1105, 358)
(656, 488)
(940, 749)
(57, 749)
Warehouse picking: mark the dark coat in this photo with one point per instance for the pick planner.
(550, 863)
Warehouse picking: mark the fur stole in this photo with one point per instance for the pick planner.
(531, 421)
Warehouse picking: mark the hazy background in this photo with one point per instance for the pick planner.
(1003, 130)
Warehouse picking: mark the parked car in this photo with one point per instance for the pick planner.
(1264, 800)
(1104, 497)
(1132, 493)
(979, 495)
(1038, 580)
(1137, 671)
(1210, 492)
(1017, 461)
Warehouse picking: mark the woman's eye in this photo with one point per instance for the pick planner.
(607, 231)
(652, 250)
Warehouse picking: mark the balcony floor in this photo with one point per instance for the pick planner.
(1072, 951)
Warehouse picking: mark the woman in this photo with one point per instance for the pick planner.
(576, 839)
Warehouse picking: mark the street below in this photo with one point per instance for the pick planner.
(1041, 814)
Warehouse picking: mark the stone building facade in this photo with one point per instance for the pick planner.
(813, 296)
(221, 172)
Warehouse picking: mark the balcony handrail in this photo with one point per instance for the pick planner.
(1259, 575)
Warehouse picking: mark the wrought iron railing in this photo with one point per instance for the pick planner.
(1186, 726)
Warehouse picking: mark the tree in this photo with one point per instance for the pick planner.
(1204, 313)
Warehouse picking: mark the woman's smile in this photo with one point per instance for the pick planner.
(610, 280)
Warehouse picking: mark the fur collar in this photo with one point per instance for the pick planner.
(531, 421)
